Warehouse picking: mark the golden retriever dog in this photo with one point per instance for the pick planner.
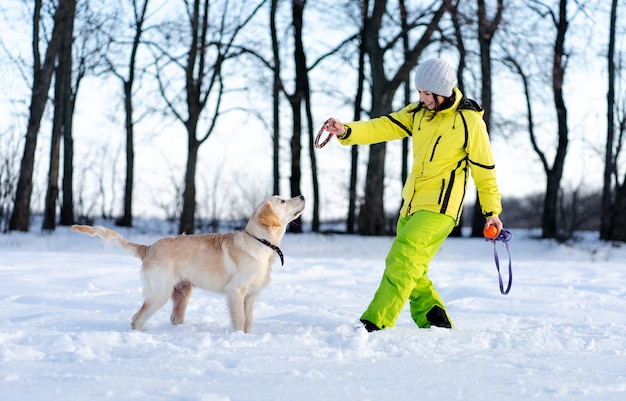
(237, 264)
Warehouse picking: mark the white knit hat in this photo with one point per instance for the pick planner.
(436, 76)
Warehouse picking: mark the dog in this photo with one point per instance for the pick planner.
(237, 264)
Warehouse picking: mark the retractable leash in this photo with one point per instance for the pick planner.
(318, 137)
(504, 236)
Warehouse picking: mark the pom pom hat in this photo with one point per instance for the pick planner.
(435, 76)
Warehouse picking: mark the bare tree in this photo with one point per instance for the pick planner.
(296, 98)
(210, 45)
(559, 64)
(315, 223)
(301, 93)
(62, 121)
(617, 230)
(139, 13)
(276, 91)
(300, 101)
(371, 219)
(42, 76)
(404, 23)
(459, 20)
(8, 175)
(613, 194)
(554, 172)
(81, 52)
(486, 30)
(358, 102)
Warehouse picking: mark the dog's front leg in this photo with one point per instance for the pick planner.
(235, 305)
(248, 307)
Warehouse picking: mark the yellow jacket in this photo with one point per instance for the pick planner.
(444, 149)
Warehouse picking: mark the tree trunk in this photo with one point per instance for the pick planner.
(486, 30)
(67, 204)
(354, 153)
(301, 88)
(315, 221)
(408, 86)
(62, 104)
(276, 89)
(607, 223)
(52, 193)
(296, 150)
(617, 230)
(62, 126)
(371, 219)
(550, 222)
(188, 214)
(196, 58)
(457, 21)
(127, 218)
(354, 164)
(42, 76)
(372, 214)
(203, 77)
(69, 101)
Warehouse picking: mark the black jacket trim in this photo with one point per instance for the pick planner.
(346, 134)
(399, 124)
(448, 192)
(482, 165)
(468, 104)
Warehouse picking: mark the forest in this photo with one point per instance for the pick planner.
(195, 110)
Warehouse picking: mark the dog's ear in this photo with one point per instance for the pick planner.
(267, 216)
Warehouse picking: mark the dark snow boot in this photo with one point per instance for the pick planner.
(369, 326)
(437, 317)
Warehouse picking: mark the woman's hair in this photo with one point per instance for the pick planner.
(447, 102)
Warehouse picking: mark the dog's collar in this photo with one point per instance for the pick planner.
(274, 247)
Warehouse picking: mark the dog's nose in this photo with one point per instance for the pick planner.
(302, 197)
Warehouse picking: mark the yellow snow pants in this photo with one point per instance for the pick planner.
(418, 239)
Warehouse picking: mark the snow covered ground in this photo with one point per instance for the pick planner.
(66, 304)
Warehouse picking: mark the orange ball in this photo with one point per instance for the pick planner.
(490, 232)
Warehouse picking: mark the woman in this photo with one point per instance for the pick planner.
(449, 141)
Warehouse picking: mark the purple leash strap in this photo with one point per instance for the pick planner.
(505, 236)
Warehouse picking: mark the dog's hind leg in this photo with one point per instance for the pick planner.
(146, 311)
(180, 300)
(156, 292)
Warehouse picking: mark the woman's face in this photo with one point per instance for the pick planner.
(428, 98)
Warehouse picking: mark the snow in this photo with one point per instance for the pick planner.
(560, 334)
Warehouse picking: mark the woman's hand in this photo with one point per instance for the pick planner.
(335, 127)
(494, 221)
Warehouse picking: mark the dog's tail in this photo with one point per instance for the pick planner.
(112, 238)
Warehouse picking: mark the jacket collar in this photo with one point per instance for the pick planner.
(457, 100)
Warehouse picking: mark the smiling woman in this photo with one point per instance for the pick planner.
(433, 195)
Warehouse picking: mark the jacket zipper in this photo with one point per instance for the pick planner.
(441, 191)
(432, 155)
